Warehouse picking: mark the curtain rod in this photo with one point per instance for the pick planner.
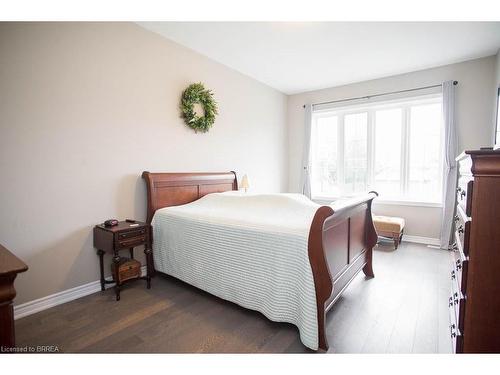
(375, 95)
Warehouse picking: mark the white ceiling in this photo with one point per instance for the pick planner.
(304, 56)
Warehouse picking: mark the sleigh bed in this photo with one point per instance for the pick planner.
(217, 243)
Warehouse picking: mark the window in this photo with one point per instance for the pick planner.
(394, 148)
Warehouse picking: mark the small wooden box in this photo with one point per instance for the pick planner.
(127, 269)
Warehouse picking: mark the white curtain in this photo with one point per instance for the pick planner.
(306, 159)
(450, 165)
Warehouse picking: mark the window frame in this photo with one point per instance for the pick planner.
(405, 104)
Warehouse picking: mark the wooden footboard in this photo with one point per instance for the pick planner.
(340, 245)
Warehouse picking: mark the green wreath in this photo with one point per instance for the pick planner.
(196, 93)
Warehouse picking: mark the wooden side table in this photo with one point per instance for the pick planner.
(10, 266)
(123, 236)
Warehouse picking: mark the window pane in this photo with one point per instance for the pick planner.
(425, 156)
(355, 153)
(387, 171)
(324, 179)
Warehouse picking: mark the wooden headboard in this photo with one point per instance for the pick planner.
(174, 189)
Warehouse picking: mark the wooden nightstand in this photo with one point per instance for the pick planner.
(123, 236)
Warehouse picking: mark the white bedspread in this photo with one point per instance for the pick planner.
(245, 248)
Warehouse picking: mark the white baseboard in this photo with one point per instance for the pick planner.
(423, 240)
(55, 299)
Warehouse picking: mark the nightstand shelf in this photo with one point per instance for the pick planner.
(123, 236)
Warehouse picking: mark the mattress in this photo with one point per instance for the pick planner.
(250, 249)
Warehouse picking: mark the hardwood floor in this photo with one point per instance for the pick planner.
(402, 310)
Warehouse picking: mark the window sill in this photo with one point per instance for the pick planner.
(407, 203)
(328, 200)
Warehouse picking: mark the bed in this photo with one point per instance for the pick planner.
(280, 254)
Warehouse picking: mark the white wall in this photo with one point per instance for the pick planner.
(474, 122)
(497, 69)
(84, 109)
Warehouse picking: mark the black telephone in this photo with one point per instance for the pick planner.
(110, 223)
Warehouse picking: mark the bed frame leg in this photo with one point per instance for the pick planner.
(323, 349)
(368, 268)
(323, 342)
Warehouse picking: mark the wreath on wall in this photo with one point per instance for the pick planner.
(198, 94)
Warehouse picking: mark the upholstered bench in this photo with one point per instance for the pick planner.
(391, 227)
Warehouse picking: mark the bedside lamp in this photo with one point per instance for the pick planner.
(244, 183)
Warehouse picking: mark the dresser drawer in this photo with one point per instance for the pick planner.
(131, 233)
(131, 238)
(131, 242)
(455, 333)
(461, 265)
(457, 312)
(458, 301)
(463, 228)
(464, 194)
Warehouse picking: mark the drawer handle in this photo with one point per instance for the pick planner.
(453, 275)
(450, 302)
(454, 246)
(461, 229)
(459, 189)
(462, 194)
(452, 331)
(459, 265)
(457, 218)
